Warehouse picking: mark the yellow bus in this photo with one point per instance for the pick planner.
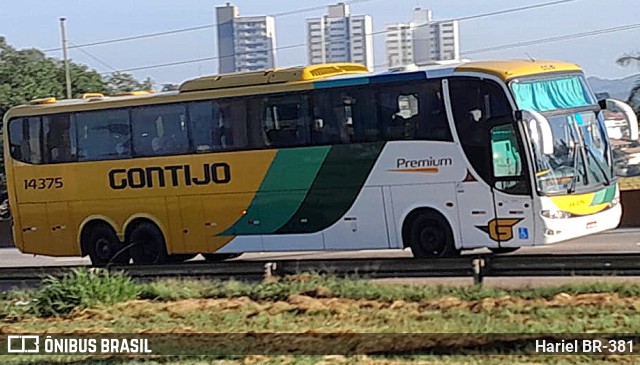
(499, 154)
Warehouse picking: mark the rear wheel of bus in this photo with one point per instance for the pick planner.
(430, 235)
(102, 245)
(147, 244)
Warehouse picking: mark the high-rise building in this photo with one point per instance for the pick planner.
(244, 43)
(340, 36)
(421, 41)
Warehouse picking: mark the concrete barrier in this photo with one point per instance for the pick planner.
(630, 200)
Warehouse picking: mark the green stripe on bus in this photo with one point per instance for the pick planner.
(337, 186)
(598, 197)
(604, 196)
(282, 191)
(611, 193)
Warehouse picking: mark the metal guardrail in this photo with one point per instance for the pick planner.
(472, 266)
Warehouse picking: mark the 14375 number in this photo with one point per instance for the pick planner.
(43, 184)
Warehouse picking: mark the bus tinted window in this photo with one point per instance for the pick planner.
(360, 107)
(204, 137)
(160, 130)
(474, 103)
(103, 135)
(414, 112)
(25, 141)
(332, 119)
(344, 116)
(230, 124)
(59, 138)
(286, 120)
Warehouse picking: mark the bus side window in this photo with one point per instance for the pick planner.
(332, 121)
(59, 138)
(508, 169)
(103, 135)
(360, 106)
(399, 114)
(230, 124)
(25, 140)
(201, 126)
(414, 111)
(160, 130)
(285, 121)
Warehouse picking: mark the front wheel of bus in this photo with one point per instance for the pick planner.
(431, 236)
(103, 245)
(147, 245)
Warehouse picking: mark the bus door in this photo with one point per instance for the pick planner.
(471, 111)
(475, 210)
(513, 226)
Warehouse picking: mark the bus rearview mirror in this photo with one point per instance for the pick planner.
(540, 130)
(622, 108)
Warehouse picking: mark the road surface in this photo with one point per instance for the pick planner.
(618, 241)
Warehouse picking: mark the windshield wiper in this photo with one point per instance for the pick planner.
(574, 179)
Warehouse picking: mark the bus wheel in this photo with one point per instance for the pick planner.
(216, 257)
(103, 245)
(503, 250)
(148, 246)
(430, 236)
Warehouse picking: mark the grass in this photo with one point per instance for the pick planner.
(98, 302)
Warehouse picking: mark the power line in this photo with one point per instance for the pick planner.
(95, 58)
(555, 39)
(477, 16)
(195, 28)
(506, 11)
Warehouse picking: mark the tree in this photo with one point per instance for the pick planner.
(122, 82)
(170, 87)
(29, 74)
(634, 95)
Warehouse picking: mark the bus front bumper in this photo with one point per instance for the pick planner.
(559, 230)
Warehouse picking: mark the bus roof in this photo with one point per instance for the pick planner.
(509, 69)
(290, 79)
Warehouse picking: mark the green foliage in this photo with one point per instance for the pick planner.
(29, 74)
(353, 288)
(82, 289)
(121, 82)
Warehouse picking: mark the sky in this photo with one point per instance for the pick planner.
(35, 24)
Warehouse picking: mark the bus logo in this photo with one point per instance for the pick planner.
(428, 165)
(501, 229)
(19, 344)
(179, 175)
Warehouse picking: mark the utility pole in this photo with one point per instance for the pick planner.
(65, 57)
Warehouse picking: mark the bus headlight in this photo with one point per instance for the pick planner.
(555, 214)
(614, 202)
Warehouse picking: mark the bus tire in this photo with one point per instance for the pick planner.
(217, 257)
(430, 235)
(148, 245)
(503, 250)
(103, 244)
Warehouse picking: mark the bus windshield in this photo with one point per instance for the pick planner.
(581, 158)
